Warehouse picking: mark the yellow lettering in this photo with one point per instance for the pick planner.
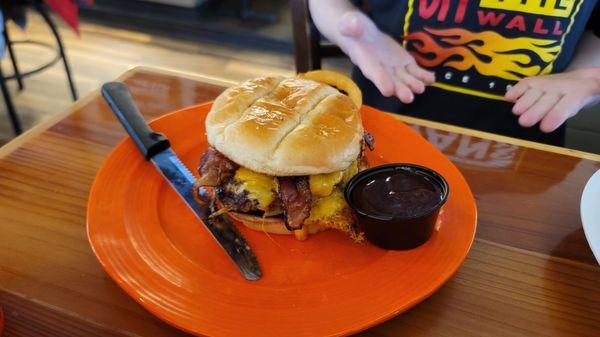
(554, 8)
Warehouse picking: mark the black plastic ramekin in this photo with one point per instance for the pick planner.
(398, 232)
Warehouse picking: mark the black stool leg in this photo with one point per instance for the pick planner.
(13, 59)
(40, 8)
(12, 114)
(246, 12)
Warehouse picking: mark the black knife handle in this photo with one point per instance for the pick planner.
(119, 99)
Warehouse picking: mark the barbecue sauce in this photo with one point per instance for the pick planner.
(398, 193)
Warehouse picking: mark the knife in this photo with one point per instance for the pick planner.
(156, 148)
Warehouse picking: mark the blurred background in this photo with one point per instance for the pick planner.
(230, 39)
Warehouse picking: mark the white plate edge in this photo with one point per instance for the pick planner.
(587, 194)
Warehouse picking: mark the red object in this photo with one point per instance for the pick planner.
(68, 11)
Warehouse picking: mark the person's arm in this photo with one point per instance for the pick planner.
(552, 99)
(587, 54)
(380, 58)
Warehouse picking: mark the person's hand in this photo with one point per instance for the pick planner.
(381, 59)
(552, 99)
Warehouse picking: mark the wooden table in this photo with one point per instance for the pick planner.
(529, 272)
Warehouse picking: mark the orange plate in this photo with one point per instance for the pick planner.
(160, 254)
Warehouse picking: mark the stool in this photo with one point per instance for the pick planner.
(19, 76)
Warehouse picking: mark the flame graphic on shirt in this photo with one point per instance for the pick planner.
(488, 52)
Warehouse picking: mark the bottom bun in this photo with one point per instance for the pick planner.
(271, 225)
(261, 224)
(342, 222)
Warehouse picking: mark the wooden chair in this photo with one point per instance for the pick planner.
(309, 49)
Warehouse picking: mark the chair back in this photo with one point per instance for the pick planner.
(309, 49)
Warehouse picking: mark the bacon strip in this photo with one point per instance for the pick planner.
(215, 168)
(294, 193)
(369, 140)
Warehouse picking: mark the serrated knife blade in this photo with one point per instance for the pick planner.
(156, 148)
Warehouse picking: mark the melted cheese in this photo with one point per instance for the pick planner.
(260, 187)
(350, 172)
(328, 206)
(321, 185)
(327, 200)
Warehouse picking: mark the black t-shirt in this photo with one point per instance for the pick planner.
(478, 49)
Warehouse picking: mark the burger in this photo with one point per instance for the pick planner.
(281, 151)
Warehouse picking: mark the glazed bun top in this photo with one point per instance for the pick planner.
(286, 126)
